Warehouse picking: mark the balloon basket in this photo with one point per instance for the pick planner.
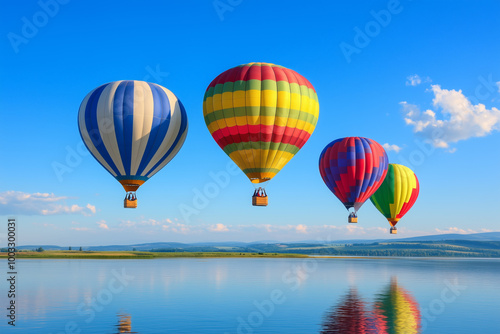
(352, 219)
(394, 230)
(259, 200)
(128, 204)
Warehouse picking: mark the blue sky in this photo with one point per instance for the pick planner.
(391, 71)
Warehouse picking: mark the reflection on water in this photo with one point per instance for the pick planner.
(230, 295)
(394, 311)
(349, 316)
(397, 310)
(125, 324)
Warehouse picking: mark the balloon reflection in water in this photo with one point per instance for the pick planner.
(394, 311)
(397, 310)
(350, 316)
(125, 324)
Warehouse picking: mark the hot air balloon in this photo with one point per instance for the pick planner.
(397, 194)
(260, 114)
(353, 168)
(397, 310)
(133, 129)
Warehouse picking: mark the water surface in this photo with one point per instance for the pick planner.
(275, 295)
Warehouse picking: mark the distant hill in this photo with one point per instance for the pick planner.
(478, 244)
(486, 236)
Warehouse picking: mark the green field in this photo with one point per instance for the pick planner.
(140, 255)
(442, 248)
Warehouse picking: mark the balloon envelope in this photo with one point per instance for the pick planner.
(260, 114)
(353, 168)
(397, 194)
(132, 128)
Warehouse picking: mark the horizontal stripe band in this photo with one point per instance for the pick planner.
(261, 99)
(258, 85)
(230, 148)
(261, 170)
(245, 114)
(132, 177)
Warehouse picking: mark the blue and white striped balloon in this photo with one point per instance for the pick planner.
(132, 128)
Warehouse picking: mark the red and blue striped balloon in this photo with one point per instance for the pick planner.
(353, 168)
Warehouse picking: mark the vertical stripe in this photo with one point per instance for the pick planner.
(128, 125)
(159, 126)
(118, 106)
(178, 125)
(82, 127)
(143, 119)
(92, 127)
(167, 140)
(174, 140)
(104, 114)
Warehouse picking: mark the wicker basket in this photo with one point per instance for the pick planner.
(353, 219)
(129, 204)
(394, 230)
(259, 200)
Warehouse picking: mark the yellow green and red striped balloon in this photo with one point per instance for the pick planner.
(260, 114)
(397, 194)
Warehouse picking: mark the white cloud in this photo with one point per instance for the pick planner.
(413, 80)
(218, 228)
(455, 230)
(80, 229)
(176, 228)
(455, 118)
(154, 226)
(392, 147)
(127, 223)
(143, 222)
(17, 202)
(355, 229)
(301, 229)
(252, 232)
(91, 208)
(102, 224)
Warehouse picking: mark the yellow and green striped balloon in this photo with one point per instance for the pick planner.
(397, 194)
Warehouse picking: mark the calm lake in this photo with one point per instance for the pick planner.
(231, 295)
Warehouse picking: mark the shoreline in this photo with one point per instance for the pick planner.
(96, 255)
(143, 255)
